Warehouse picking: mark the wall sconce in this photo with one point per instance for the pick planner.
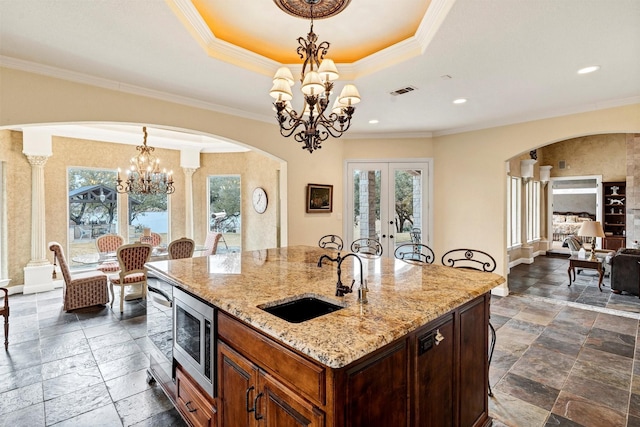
(545, 174)
(526, 169)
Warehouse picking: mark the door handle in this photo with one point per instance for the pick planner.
(391, 236)
(255, 407)
(249, 410)
(189, 408)
(384, 236)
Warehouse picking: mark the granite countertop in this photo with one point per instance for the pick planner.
(402, 297)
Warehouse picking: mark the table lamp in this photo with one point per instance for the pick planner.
(591, 229)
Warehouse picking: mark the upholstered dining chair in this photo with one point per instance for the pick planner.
(4, 312)
(367, 247)
(132, 259)
(473, 259)
(331, 241)
(80, 289)
(154, 239)
(109, 243)
(211, 243)
(181, 248)
(415, 253)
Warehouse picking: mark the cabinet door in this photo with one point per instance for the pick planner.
(435, 376)
(237, 379)
(280, 407)
(474, 363)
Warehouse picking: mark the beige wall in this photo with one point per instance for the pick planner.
(469, 184)
(604, 155)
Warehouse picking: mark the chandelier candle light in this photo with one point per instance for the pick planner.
(144, 175)
(317, 77)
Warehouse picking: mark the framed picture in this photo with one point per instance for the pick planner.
(319, 198)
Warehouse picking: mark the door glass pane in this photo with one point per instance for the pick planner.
(366, 200)
(408, 206)
(224, 211)
(93, 209)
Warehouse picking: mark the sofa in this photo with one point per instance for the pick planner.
(625, 271)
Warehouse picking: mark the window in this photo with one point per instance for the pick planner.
(93, 208)
(532, 190)
(149, 211)
(513, 212)
(224, 211)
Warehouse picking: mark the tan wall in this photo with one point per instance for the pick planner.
(469, 184)
(604, 155)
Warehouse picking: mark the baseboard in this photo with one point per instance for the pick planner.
(520, 261)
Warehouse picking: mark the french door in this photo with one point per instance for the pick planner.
(389, 202)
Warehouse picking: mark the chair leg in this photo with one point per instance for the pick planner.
(111, 289)
(121, 299)
(491, 348)
(6, 333)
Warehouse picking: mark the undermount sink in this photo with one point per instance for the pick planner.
(301, 309)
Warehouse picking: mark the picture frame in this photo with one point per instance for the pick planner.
(319, 198)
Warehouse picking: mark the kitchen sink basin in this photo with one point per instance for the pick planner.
(302, 309)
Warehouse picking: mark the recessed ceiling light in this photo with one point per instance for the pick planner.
(460, 101)
(590, 69)
(373, 121)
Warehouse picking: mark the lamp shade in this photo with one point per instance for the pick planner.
(284, 73)
(349, 95)
(312, 84)
(281, 90)
(591, 229)
(328, 70)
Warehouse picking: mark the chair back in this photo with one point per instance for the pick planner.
(416, 235)
(211, 242)
(109, 242)
(58, 255)
(132, 258)
(181, 248)
(415, 252)
(574, 244)
(152, 239)
(471, 259)
(366, 246)
(331, 241)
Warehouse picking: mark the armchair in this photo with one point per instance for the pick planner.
(82, 289)
(625, 271)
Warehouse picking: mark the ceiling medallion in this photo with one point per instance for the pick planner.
(321, 8)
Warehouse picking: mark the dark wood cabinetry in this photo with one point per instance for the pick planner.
(196, 407)
(614, 202)
(434, 376)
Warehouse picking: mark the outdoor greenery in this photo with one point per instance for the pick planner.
(224, 196)
(404, 198)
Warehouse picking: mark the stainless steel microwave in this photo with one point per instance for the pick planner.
(194, 333)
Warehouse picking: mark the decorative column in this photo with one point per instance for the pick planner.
(37, 273)
(188, 201)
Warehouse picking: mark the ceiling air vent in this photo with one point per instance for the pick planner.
(404, 90)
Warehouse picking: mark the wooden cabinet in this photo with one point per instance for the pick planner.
(614, 202)
(193, 403)
(434, 376)
(251, 397)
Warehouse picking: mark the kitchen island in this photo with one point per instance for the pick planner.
(415, 354)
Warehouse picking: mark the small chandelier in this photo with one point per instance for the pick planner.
(317, 123)
(144, 175)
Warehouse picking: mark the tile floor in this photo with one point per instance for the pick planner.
(564, 357)
(85, 368)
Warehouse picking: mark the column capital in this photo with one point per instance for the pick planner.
(189, 171)
(37, 160)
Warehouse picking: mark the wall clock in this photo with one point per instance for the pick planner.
(259, 200)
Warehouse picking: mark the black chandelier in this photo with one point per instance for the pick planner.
(316, 122)
(144, 175)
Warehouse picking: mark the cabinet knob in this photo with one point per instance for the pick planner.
(439, 337)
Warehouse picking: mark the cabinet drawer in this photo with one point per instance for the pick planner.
(192, 404)
(287, 366)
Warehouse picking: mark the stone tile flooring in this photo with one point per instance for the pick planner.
(564, 357)
(84, 368)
